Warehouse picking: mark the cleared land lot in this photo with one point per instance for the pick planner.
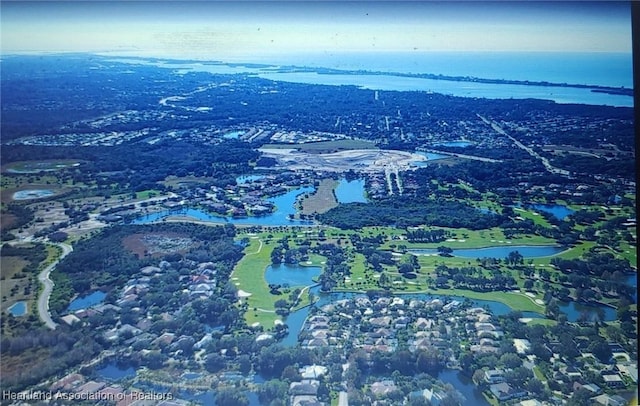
(361, 160)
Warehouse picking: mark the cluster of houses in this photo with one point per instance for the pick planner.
(76, 387)
(372, 324)
(247, 198)
(200, 283)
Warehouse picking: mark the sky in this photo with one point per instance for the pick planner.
(240, 29)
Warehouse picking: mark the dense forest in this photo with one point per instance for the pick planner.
(139, 166)
(406, 211)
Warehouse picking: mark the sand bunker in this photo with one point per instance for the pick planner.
(242, 294)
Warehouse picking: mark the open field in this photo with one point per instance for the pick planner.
(31, 193)
(39, 166)
(322, 200)
(12, 280)
(325, 147)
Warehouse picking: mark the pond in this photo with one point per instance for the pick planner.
(293, 275)
(86, 301)
(527, 251)
(351, 191)
(32, 194)
(559, 211)
(285, 208)
(577, 311)
(430, 157)
(112, 372)
(18, 309)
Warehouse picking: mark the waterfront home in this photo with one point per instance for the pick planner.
(503, 391)
(492, 376)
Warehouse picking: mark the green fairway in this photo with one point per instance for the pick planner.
(248, 276)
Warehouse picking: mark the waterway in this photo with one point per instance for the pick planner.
(85, 302)
(351, 191)
(599, 68)
(18, 309)
(464, 385)
(460, 89)
(527, 251)
(285, 209)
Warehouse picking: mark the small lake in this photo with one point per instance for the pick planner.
(527, 251)
(430, 157)
(18, 309)
(86, 301)
(351, 191)
(112, 372)
(285, 208)
(557, 210)
(32, 194)
(293, 275)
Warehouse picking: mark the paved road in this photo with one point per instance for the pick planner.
(43, 277)
(545, 162)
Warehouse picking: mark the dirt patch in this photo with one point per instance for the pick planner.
(359, 160)
(158, 244)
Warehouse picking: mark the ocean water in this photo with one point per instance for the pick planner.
(376, 71)
(596, 68)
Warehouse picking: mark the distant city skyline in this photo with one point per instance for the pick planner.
(237, 30)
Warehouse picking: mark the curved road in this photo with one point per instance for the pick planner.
(43, 277)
